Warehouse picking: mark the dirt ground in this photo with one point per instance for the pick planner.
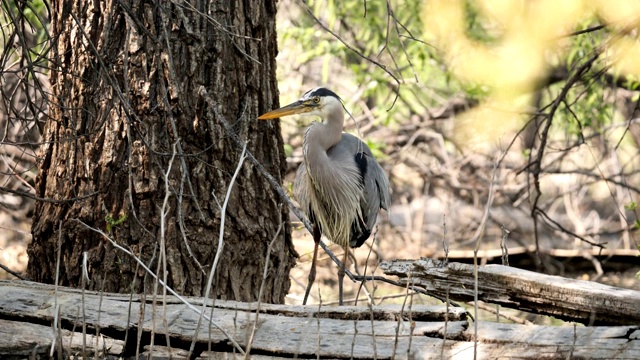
(390, 246)
(14, 238)
(386, 244)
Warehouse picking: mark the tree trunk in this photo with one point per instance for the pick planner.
(125, 110)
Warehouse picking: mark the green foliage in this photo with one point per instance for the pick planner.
(586, 105)
(111, 222)
(31, 18)
(638, 247)
(632, 206)
(476, 91)
(477, 25)
(288, 150)
(374, 34)
(392, 37)
(376, 148)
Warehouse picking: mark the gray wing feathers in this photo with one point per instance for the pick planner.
(376, 191)
(376, 183)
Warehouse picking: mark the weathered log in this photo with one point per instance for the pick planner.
(581, 301)
(282, 331)
(24, 339)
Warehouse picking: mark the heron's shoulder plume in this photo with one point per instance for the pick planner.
(320, 91)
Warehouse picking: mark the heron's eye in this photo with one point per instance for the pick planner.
(316, 100)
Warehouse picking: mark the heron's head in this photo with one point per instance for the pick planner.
(319, 101)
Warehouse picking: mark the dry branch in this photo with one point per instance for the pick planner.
(280, 331)
(574, 300)
(286, 331)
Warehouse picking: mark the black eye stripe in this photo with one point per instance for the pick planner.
(320, 92)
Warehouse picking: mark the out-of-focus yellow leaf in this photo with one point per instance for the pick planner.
(515, 60)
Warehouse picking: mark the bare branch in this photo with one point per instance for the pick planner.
(378, 64)
(169, 289)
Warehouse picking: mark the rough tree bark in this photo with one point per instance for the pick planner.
(125, 83)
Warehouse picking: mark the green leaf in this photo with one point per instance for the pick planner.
(111, 222)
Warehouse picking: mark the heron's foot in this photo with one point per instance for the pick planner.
(312, 278)
(341, 272)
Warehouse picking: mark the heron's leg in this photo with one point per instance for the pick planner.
(341, 272)
(312, 273)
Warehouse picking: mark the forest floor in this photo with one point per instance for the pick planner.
(14, 238)
(620, 273)
(390, 242)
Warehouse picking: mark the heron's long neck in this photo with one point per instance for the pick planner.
(320, 137)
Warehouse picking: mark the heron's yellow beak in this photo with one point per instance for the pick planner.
(297, 107)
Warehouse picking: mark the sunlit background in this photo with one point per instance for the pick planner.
(534, 102)
(453, 94)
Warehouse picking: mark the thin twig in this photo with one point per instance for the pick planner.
(99, 314)
(323, 26)
(56, 307)
(544, 137)
(373, 331)
(478, 238)
(130, 305)
(16, 274)
(162, 264)
(355, 334)
(183, 163)
(318, 323)
(400, 319)
(261, 291)
(412, 324)
(446, 322)
(220, 247)
(514, 319)
(404, 49)
(28, 195)
(503, 246)
(169, 289)
(85, 278)
(585, 31)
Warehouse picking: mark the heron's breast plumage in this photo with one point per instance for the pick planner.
(331, 193)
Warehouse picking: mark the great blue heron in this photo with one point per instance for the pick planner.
(340, 185)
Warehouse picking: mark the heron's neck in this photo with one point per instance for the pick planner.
(320, 137)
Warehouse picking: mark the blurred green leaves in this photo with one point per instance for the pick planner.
(26, 22)
(388, 35)
(516, 44)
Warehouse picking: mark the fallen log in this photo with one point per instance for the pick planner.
(120, 325)
(580, 301)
